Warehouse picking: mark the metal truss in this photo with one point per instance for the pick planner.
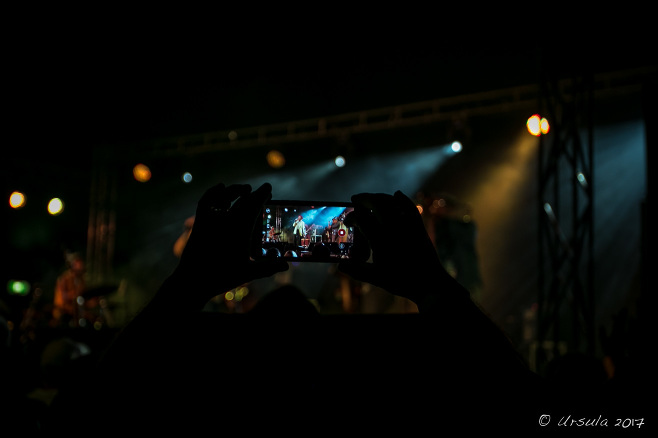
(565, 202)
(380, 119)
(103, 192)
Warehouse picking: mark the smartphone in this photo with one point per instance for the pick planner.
(309, 231)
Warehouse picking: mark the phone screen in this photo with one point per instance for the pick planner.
(300, 231)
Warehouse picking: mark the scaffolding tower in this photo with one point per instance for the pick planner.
(565, 313)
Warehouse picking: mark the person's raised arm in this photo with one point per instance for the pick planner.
(151, 361)
(216, 258)
(409, 267)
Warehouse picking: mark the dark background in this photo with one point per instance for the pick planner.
(110, 85)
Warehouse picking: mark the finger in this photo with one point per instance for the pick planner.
(249, 210)
(209, 196)
(221, 196)
(215, 204)
(264, 191)
(205, 205)
(215, 199)
(350, 219)
(380, 204)
(372, 201)
(371, 217)
(386, 209)
(362, 215)
(409, 209)
(404, 201)
(235, 191)
(251, 205)
(410, 217)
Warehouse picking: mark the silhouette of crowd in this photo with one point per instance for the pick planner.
(283, 367)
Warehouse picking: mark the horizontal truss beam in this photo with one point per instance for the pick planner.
(391, 117)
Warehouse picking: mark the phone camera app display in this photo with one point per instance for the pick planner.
(306, 232)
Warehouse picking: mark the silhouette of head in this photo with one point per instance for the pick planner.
(273, 253)
(321, 251)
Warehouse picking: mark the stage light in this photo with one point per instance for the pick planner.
(187, 177)
(339, 161)
(533, 125)
(18, 287)
(241, 293)
(275, 159)
(141, 172)
(16, 200)
(537, 125)
(55, 206)
(456, 146)
(581, 179)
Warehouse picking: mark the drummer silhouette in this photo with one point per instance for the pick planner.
(68, 300)
(75, 304)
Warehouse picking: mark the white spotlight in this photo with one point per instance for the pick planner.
(456, 147)
(340, 161)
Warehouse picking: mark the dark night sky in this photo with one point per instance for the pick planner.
(70, 87)
(109, 96)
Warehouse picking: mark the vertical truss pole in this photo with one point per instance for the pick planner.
(102, 222)
(565, 230)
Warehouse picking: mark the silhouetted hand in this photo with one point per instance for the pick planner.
(404, 260)
(216, 258)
